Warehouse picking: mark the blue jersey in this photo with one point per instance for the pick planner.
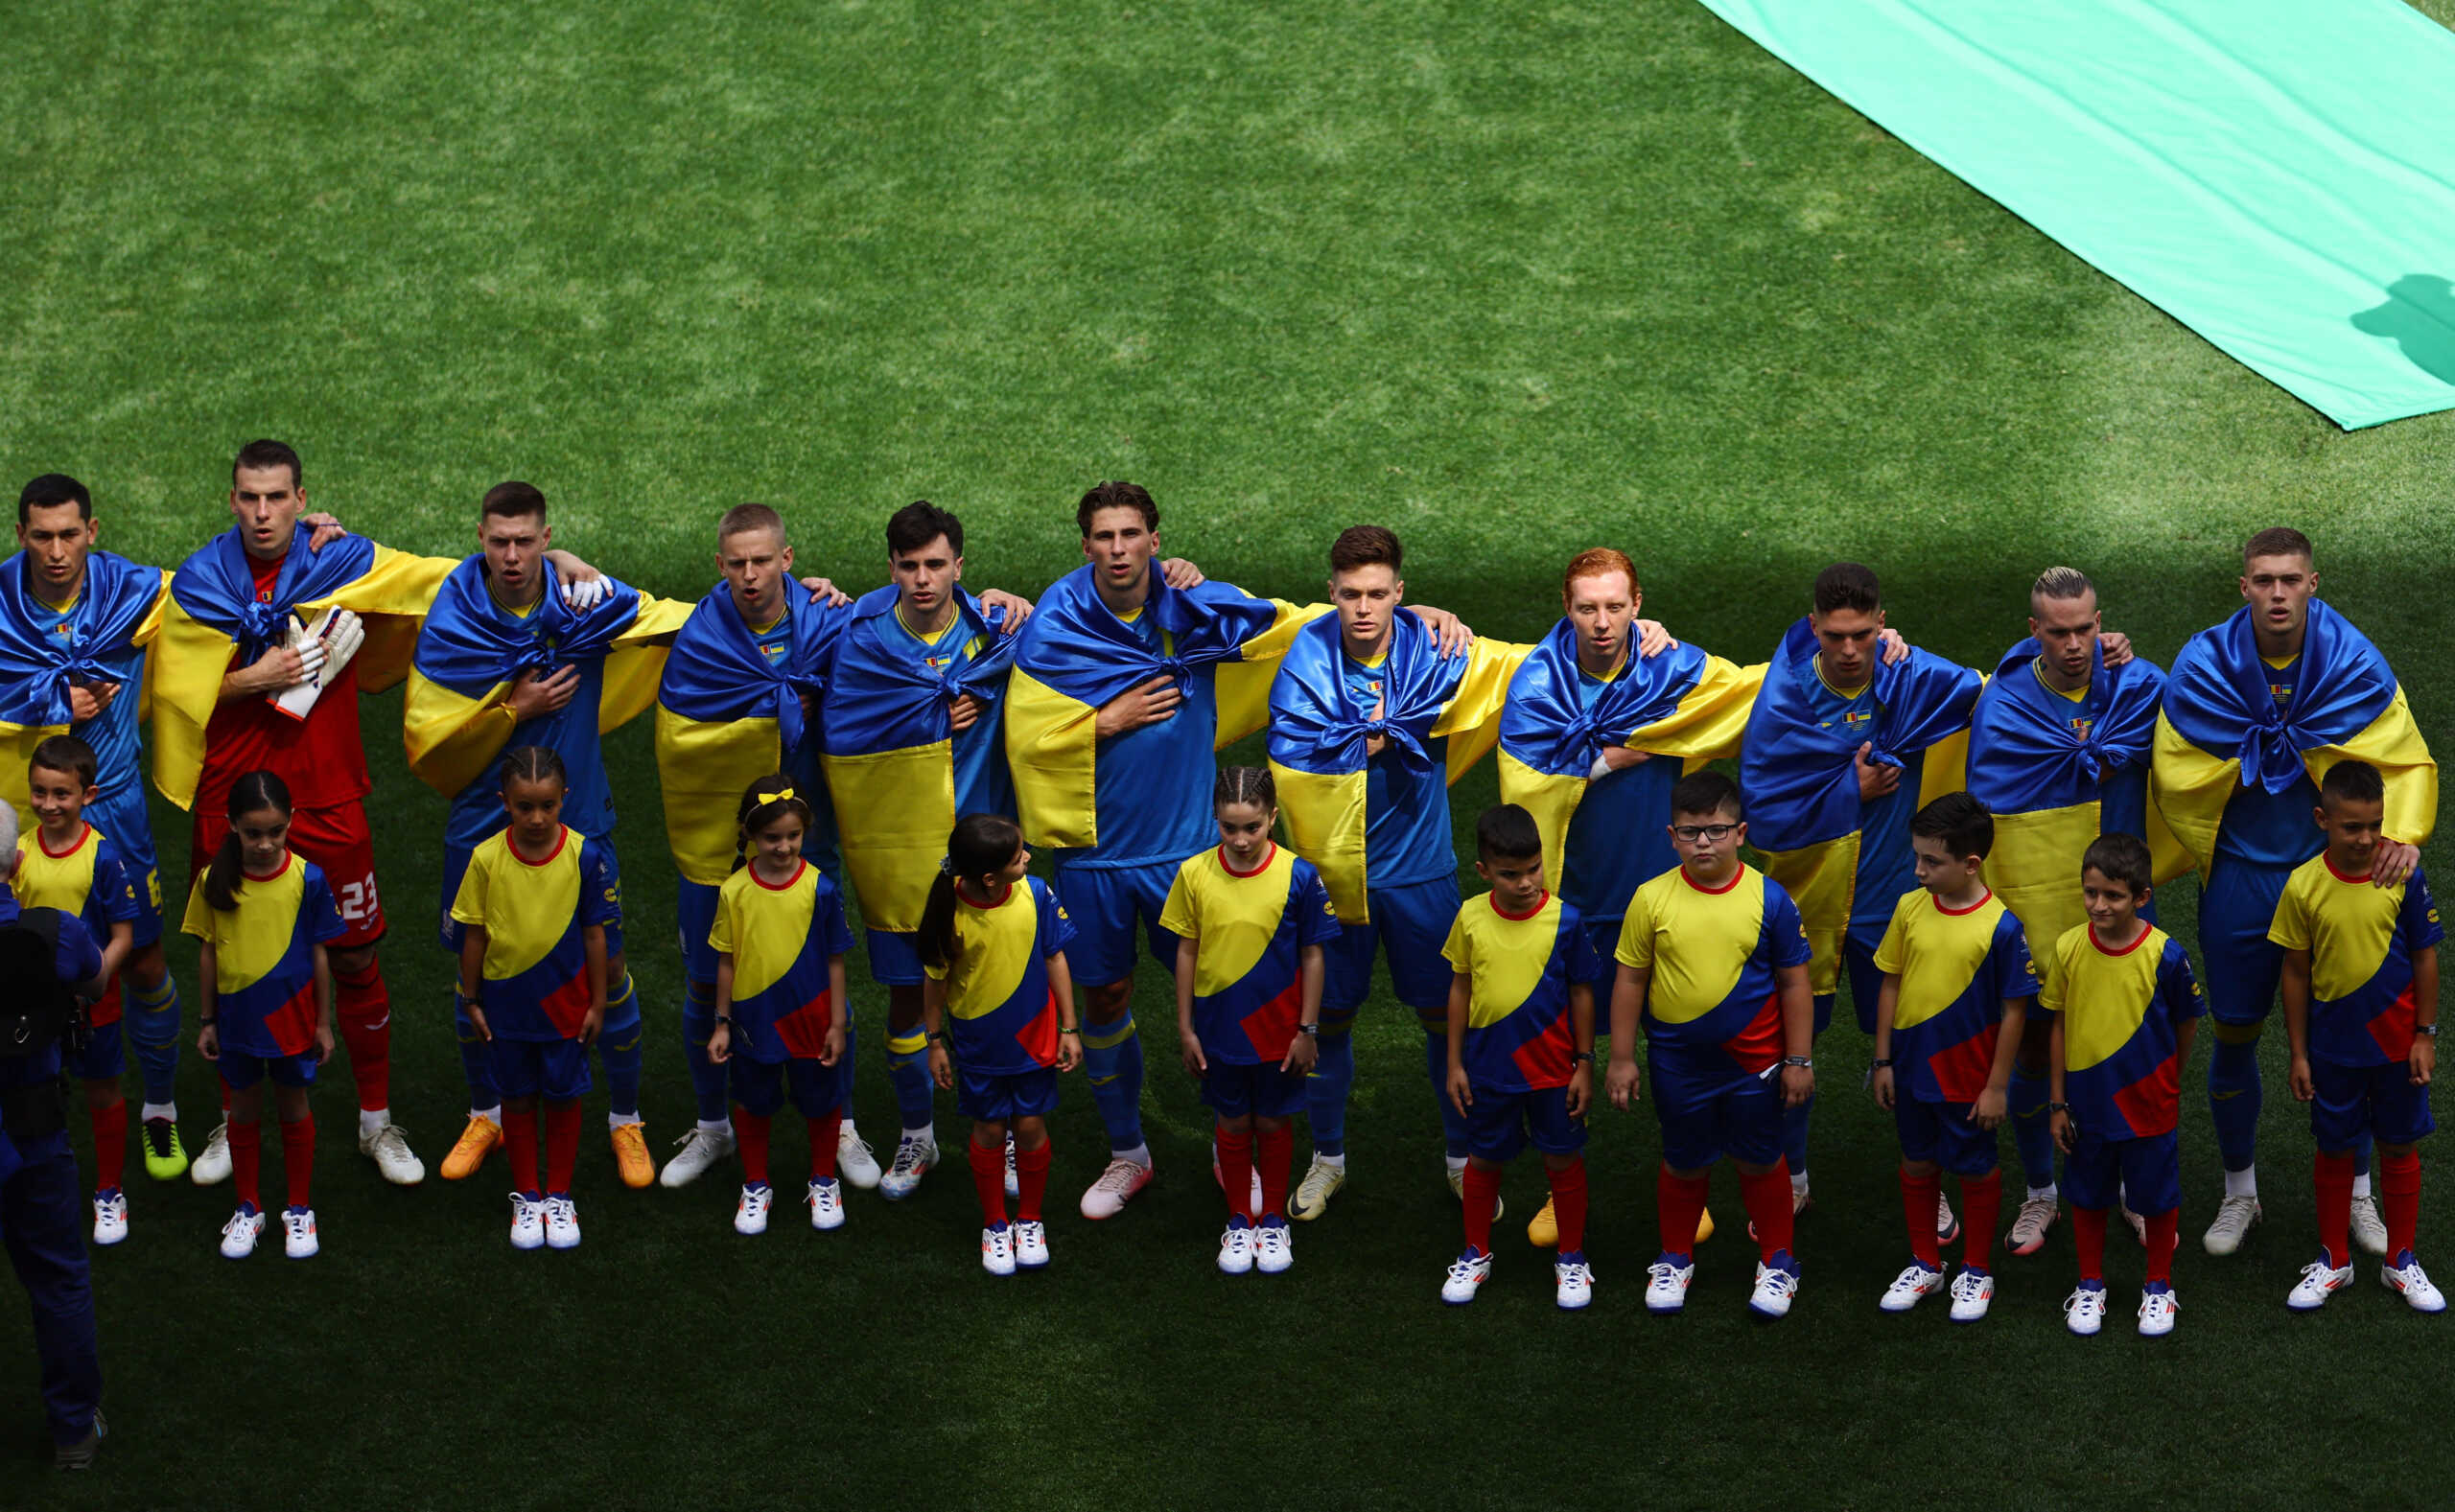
(1151, 786)
(118, 757)
(1406, 812)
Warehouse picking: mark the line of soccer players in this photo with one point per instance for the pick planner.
(1917, 824)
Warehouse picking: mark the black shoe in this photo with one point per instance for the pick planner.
(80, 1455)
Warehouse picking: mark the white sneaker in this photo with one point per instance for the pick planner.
(1947, 1223)
(1236, 1247)
(2409, 1279)
(110, 1217)
(2084, 1311)
(1014, 1178)
(212, 1167)
(528, 1222)
(1466, 1276)
(239, 1236)
(562, 1224)
(855, 1160)
(692, 1154)
(1030, 1245)
(998, 1250)
(913, 1158)
(1666, 1285)
(2320, 1281)
(1914, 1286)
(2029, 1225)
(2235, 1217)
(1777, 1286)
(1321, 1182)
(2138, 1225)
(298, 1233)
(1115, 1187)
(1572, 1283)
(1274, 1247)
(389, 1149)
(1457, 1189)
(2369, 1230)
(826, 1201)
(1971, 1294)
(2157, 1310)
(750, 1215)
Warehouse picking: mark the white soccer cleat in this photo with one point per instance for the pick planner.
(2405, 1277)
(998, 1250)
(2084, 1311)
(2029, 1225)
(1236, 1247)
(1971, 1294)
(1914, 1286)
(562, 1224)
(2369, 1230)
(528, 1222)
(826, 1201)
(239, 1236)
(692, 1154)
(1777, 1287)
(1274, 1247)
(298, 1233)
(1467, 1274)
(1572, 1283)
(1947, 1223)
(110, 1217)
(1312, 1197)
(2138, 1225)
(1116, 1186)
(750, 1214)
(2320, 1279)
(913, 1158)
(2157, 1310)
(212, 1165)
(855, 1160)
(2235, 1218)
(1666, 1284)
(389, 1149)
(1030, 1245)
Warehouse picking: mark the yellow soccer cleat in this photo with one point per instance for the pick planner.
(470, 1153)
(1704, 1225)
(631, 1155)
(1543, 1229)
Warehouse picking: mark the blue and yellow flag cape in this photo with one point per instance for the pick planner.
(468, 656)
(1801, 779)
(2054, 787)
(889, 751)
(726, 716)
(1318, 729)
(213, 615)
(2221, 729)
(117, 612)
(1682, 703)
(1075, 656)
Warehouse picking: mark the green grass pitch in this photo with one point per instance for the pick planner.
(1512, 279)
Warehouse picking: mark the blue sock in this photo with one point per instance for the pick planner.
(154, 1023)
(706, 1078)
(619, 1051)
(2233, 1100)
(477, 1062)
(1453, 1123)
(1326, 1089)
(1794, 1135)
(2032, 1127)
(1112, 1056)
(907, 1067)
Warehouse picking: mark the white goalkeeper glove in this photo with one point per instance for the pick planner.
(325, 647)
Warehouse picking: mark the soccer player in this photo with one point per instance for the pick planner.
(262, 915)
(1250, 922)
(2058, 753)
(1833, 769)
(1370, 720)
(994, 945)
(1521, 1047)
(536, 902)
(1124, 683)
(2123, 1007)
(1713, 963)
(1957, 982)
(2255, 709)
(505, 663)
(2360, 989)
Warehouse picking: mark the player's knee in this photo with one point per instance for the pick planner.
(902, 1007)
(147, 970)
(1030, 1132)
(1552, 1162)
(1479, 1163)
(526, 1102)
(1109, 1000)
(1746, 1168)
(353, 961)
(2239, 1034)
(288, 1104)
(1243, 1123)
(2392, 1152)
(104, 1095)
(1922, 1169)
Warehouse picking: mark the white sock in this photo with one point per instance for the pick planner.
(845, 1131)
(925, 1135)
(171, 1111)
(372, 1120)
(1456, 1163)
(1140, 1154)
(2244, 1182)
(1798, 1183)
(2360, 1182)
(1337, 1162)
(492, 1114)
(614, 1120)
(2048, 1193)
(717, 1128)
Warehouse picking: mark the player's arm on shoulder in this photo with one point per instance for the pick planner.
(1447, 629)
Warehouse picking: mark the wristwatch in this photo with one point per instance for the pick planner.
(1586, 1056)
(1309, 1031)
(2058, 1107)
(1802, 1062)
(1880, 1062)
(2429, 1029)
